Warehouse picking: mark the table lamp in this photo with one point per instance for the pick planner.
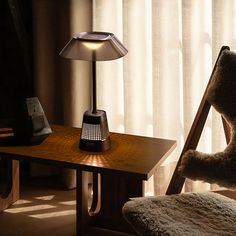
(94, 46)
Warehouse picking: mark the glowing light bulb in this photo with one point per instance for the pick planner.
(92, 45)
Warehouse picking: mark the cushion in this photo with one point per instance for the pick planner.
(196, 214)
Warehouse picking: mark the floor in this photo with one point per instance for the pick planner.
(45, 208)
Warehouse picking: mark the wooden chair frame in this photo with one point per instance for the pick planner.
(177, 181)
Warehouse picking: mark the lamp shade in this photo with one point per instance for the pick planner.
(94, 46)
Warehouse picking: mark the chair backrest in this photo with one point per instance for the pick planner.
(177, 181)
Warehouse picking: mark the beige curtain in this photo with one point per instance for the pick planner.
(60, 84)
(156, 88)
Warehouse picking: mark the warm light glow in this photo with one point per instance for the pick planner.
(30, 208)
(54, 214)
(68, 203)
(92, 45)
(21, 201)
(45, 198)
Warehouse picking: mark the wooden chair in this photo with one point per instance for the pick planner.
(187, 214)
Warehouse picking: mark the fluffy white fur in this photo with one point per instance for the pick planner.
(220, 167)
(189, 214)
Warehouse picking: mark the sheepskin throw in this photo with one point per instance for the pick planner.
(219, 168)
(188, 214)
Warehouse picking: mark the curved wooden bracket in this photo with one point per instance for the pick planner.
(96, 195)
(83, 194)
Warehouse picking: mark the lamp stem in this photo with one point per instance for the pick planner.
(94, 87)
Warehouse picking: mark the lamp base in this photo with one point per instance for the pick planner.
(95, 133)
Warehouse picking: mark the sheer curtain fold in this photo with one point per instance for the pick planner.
(156, 88)
(138, 67)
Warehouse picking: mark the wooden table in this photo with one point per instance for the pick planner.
(118, 173)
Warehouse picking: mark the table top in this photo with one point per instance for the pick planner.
(129, 154)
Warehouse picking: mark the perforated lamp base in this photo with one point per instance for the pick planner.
(95, 132)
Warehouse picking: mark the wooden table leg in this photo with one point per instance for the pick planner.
(82, 196)
(10, 193)
(115, 191)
